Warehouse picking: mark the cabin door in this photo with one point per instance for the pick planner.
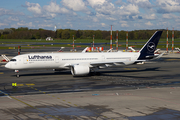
(25, 60)
(103, 58)
(57, 59)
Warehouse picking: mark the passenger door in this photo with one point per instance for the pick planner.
(57, 59)
(25, 60)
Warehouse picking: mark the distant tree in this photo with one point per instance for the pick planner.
(78, 33)
(1, 37)
(105, 34)
(98, 34)
(41, 29)
(58, 33)
(33, 37)
(25, 33)
(65, 34)
(122, 35)
(22, 29)
(14, 29)
(72, 32)
(38, 36)
(108, 37)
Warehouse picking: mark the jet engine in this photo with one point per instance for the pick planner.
(79, 70)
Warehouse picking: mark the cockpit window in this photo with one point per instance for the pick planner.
(13, 60)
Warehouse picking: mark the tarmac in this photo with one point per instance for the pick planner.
(135, 92)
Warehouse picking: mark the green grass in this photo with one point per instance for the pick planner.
(121, 42)
(7, 41)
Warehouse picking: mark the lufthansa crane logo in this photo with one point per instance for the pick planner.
(151, 46)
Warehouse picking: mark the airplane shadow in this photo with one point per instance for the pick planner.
(45, 74)
(100, 72)
(127, 71)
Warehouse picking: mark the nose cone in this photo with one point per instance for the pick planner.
(7, 66)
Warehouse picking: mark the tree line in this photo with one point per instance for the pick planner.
(25, 33)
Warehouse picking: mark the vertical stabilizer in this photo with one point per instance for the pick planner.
(147, 51)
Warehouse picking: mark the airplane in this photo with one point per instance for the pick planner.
(81, 64)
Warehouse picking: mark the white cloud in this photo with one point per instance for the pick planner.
(149, 23)
(141, 3)
(150, 17)
(103, 24)
(124, 24)
(76, 5)
(3, 24)
(4, 11)
(111, 18)
(170, 16)
(137, 1)
(96, 2)
(13, 18)
(55, 8)
(69, 24)
(119, 2)
(95, 19)
(34, 7)
(100, 15)
(106, 9)
(130, 9)
(46, 25)
(24, 24)
(47, 11)
(9, 12)
(167, 6)
(94, 14)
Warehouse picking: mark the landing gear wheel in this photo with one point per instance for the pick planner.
(17, 76)
(17, 73)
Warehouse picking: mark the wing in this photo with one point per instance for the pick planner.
(96, 64)
(102, 64)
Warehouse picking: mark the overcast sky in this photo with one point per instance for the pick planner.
(90, 14)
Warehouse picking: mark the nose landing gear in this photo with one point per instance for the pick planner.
(17, 73)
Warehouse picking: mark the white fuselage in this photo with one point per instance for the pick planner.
(64, 60)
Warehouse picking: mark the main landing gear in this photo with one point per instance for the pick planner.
(17, 73)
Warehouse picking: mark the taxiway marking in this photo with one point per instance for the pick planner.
(130, 68)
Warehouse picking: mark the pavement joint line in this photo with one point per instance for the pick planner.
(29, 105)
(68, 102)
(35, 108)
(50, 95)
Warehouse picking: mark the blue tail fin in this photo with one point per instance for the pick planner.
(147, 51)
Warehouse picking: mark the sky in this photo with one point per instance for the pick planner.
(90, 14)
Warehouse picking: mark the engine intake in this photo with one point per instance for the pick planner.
(79, 70)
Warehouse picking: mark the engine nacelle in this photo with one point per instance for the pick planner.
(79, 70)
